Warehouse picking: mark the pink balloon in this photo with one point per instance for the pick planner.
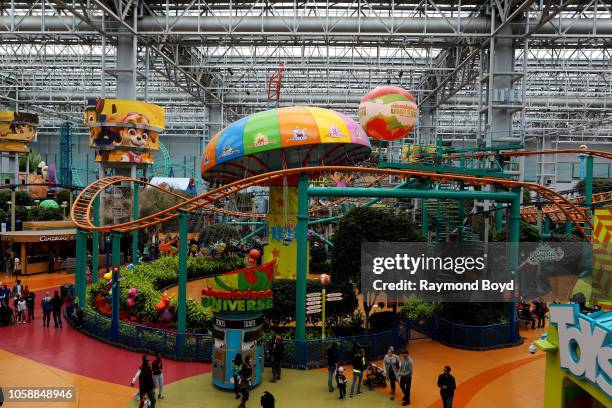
(131, 303)
(133, 292)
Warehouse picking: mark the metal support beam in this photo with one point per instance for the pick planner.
(182, 283)
(301, 234)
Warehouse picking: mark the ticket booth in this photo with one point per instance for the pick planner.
(233, 334)
(237, 300)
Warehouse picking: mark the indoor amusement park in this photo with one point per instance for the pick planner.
(291, 204)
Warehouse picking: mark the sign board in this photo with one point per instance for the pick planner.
(313, 311)
(243, 290)
(313, 295)
(124, 130)
(578, 332)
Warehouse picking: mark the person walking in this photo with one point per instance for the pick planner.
(18, 289)
(341, 382)
(405, 377)
(391, 365)
(46, 306)
(21, 308)
(146, 385)
(237, 365)
(51, 262)
(359, 365)
(446, 383)
(332, 365)
(7, 295)
(158, 375)
(541, 313)
(30, 303)
(17, 267)
(246, 372)
(56, 308)
(277, 351)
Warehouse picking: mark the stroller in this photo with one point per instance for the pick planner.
(375, 377)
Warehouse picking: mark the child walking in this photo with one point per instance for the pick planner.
(21, 310)
(341, 382)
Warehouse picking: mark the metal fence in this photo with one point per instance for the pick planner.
(466, 336)
(199, 347)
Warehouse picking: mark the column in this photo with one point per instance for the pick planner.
(514, 233)
(301, 259)
(116, 262)
(135, 216)
(81, 263)
(182, 282)
(95, 251)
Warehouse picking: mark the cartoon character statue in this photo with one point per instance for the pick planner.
(136, 137)
(102, 136)
(163, 303)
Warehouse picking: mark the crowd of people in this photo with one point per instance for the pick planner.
(23, 302)
(395, 370)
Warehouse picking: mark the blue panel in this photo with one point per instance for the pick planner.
(230, 144)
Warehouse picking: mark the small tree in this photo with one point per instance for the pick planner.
(366, 224)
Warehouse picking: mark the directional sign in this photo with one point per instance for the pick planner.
(312, 305)
(313, 295)
(313, 302)
(336, 294)
(313, 311)
(334, 299)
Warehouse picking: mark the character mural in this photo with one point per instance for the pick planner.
(17, 131)
(124, 131)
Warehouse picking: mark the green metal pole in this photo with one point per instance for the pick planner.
(514, 235)
(424, 219)
(182, 282)
(323, 313)
(13, 205)
(95, 251)
(588, 183)
(438, 221)
(115, 249)
(81, 264)
(302, 258)
(587, 260)
(135, 216)
(568, 228)
(499, 216)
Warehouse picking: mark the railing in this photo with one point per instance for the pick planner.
(145, 339)
(467, 336)
(199, 347)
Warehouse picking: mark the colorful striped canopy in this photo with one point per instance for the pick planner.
(283, 138)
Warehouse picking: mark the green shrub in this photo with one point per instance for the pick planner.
(151, 278)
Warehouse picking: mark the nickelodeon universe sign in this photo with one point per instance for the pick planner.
(235, 301)
(584, 350)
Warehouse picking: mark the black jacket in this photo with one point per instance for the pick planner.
(332, 356)
(56, 304)
(145, 380)
(277, 350)
(359, 363)
(449, 381)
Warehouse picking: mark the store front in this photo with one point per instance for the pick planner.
(578, 358)
(41, 247)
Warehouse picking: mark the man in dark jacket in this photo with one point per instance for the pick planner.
(56, 305)
(30, 303)
(447, 385)
(332, 365)
(277, 350)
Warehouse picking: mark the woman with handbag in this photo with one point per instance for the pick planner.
(246, 371)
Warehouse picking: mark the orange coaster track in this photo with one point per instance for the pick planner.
(82, 209)
(530, 213)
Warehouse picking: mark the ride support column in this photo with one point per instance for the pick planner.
(81, 266)
(116, 264)
(182, 283)
(514, 234)
(301, 259)
(135, 216)
(95, 244)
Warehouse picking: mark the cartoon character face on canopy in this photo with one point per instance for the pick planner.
(136, 137)
(24, 131)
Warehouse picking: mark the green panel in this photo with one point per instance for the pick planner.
(263, 133)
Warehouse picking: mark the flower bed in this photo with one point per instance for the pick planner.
(150, 279)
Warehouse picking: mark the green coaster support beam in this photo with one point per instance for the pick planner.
(424, 219)
(135, 216)
(256, 231)
(182, 282)
(302, 258)
(81, 266)
(499, 216)
(116, 264)
(95, 244)
(514, 236)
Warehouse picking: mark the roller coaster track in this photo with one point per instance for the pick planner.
(530, 213)
(81, 211)
(521, 153)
